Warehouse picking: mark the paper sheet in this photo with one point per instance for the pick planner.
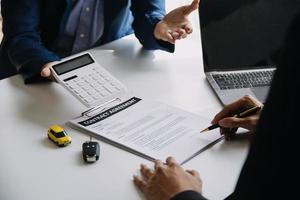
(151, 129)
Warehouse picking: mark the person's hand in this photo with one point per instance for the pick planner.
(176, 25)
(230, 124)
(46, 72)
(166, 180)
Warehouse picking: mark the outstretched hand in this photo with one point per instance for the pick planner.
(176, 25)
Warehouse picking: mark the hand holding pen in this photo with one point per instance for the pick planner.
(228, 120)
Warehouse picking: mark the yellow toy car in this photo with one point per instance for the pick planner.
(59, 136)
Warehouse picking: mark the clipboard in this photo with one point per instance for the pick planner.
(149, 129)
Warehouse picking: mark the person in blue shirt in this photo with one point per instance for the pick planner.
(39, 32)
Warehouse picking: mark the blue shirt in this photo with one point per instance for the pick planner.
(81, 27)
(31, 28)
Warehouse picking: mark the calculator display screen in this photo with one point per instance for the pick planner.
(73, 64)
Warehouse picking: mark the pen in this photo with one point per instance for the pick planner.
(246, 113)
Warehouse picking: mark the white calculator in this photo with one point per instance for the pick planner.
(88, 81)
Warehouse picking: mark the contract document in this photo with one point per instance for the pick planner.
(150, 129)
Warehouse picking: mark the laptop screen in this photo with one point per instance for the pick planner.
(244, 34)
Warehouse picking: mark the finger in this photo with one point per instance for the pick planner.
(228, 111)
(227, 137)
(157, 164)
(183, 36)
(175, 35)
(233, 122)
(46, 72)
(170, 161)
(169, 38)
(193, 173)
(230, 133)
(234, 108)
(165, 35)
(141, 184)
(222, 130)
(190, 8)
(146, 172)
(188, 28)
(182, 33)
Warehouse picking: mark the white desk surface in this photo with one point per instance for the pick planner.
(33, 168)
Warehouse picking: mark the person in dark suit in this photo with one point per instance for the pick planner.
(270, 169)
(37, 32)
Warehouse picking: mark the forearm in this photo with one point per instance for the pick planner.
(22, 41)
(188, 195)
(146, 15)
(29, 57)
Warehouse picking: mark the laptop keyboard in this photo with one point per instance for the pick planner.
(244, 79)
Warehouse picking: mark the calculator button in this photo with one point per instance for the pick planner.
(97, 95)
(89, 99)
(100, 80)
(104, 93)
(95, 78)
(94, 85)
(77, 92)
(109, 88)
(108, 78)
(91, 92)
(77, 89)
(85, 87)
(81, 83)
(83, 95)
(88, 80)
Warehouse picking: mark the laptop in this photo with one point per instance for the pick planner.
(241, 44)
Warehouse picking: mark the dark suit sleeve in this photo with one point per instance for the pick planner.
(188, 195)
(147, 14)
(22, 40)
(270, 164)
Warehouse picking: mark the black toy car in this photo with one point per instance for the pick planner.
(90, 151)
